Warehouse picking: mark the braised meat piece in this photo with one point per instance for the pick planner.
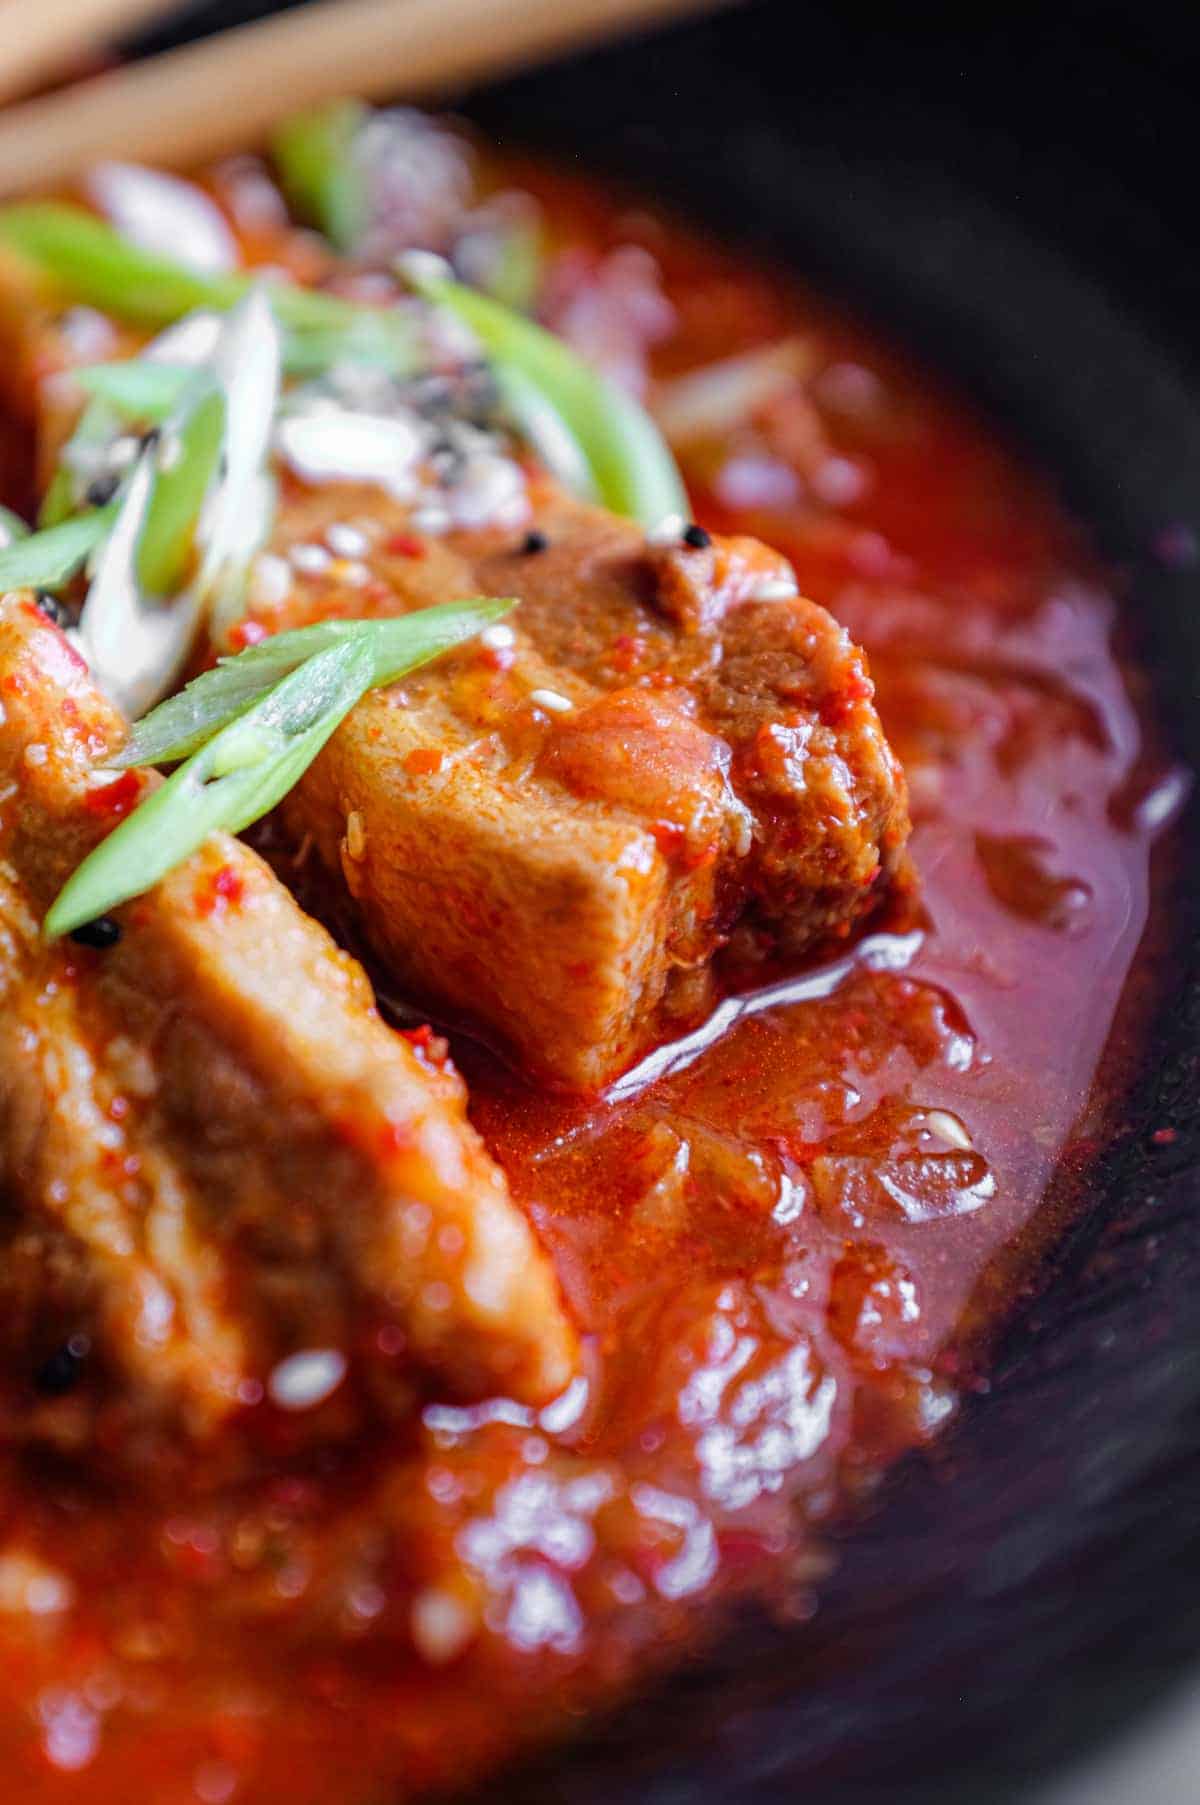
(550, 838)
(215, 1156)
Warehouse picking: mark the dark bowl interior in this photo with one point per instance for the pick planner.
(995, 188)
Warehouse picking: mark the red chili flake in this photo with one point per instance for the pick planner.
(115, 799)
(1162, 1137)
(16, 684)
(418, 1037)
(672, 842)
(224, 889)
(69, 708)
(405, 545)
(247, 633)
(423, 761)
(628, 650)
(840, 705)
(394, 1137)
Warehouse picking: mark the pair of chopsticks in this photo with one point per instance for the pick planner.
(226, 91)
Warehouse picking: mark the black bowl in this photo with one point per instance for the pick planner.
(997, 189)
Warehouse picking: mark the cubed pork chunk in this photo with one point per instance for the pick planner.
(214, 1156)
(549, 839)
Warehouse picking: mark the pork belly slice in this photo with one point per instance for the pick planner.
(551, 840)
(214, 1153)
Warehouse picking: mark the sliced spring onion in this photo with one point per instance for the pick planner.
(539, 422)
(322, 178)
(187, 458)
(213, 791)
(88, 261)
(179, 726)
(631, 466)
(131, 644)
(240, 773)
(370, 336)
(246, 364)
(150, 207)
(47, 559)
(139, 388)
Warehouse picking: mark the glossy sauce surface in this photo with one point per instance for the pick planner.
(785, 1238)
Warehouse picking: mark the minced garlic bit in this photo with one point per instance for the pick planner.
(949, 1128)
(669, 530)
(356, 835)
(551, 700)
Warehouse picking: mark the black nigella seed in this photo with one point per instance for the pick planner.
(696, 537)
(151, 436)
(62, 1370)
(53, 609)
(102, 932)
(534, 542)
(100, 492)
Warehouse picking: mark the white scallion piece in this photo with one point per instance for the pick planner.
(134, 647)
(247, 363)
(158, 211)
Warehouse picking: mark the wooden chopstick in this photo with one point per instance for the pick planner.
(226, 91)
(38, 39)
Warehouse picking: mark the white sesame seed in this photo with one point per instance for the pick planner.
(498, 637)
(272, 579)
(669, 530)
(36, 754)
(441, 1624)
(550, 699)
(424, 266)
(948, 1128)
(356, 835)
(122, 452)
(346, 541)
(306, 1379)
(352, 572)
(311, 559)
(774, 589)
(431, 520)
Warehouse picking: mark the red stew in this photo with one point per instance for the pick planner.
(785, 1240)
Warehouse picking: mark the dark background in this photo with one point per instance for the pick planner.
(1013, 189)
